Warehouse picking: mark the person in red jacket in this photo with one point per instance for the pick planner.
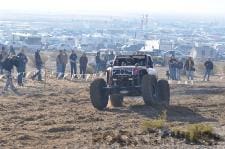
(83, 64)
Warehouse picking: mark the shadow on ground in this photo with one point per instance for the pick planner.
(174, 113)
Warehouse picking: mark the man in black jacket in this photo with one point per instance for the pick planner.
(8, 64)
(38, 64)
(22, 67)
(208, 69)
(73, 64)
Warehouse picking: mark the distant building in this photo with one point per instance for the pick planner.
(203, 52)
(165, 45)
(150, 45)
(27, 40)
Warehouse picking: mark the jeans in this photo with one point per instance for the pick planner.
(21, 74)
(63, 69)
(173, 73)
(83, 70)
(59, 70)
(178, 74)
(98, 65)
(73, 68)
(190, 75)
(9, 82)
(1, 69)
(207, 74)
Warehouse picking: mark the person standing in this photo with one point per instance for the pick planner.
(3, 56)
(73, 64)
(65, 61)
(111, 56)
(179, 69)
(39, 65)
(8, 64)
(21, 69)
(83, 64)
(98, 62)
(172, 67)
(189, 67)
(208, 69)
(12, 50)
(59, 64)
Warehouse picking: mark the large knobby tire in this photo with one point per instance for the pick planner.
(116, 100)
(148, 89)
(98, 95)
(163, 92)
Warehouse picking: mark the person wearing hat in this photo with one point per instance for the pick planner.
(22, 59)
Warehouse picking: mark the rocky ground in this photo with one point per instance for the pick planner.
(59, 114)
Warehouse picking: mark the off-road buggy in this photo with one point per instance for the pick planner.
(130, 75)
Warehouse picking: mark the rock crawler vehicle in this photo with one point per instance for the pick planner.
(130, 75)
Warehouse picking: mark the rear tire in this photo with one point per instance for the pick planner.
(148, 89)
(116, 100)
(98, 95)
(163, 92)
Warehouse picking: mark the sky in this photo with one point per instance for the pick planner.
(116, 6)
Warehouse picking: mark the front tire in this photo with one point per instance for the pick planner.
(148, 89)
(116, 100)
(163, 92)
(98, 95)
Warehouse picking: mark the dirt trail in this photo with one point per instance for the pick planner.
(61, 115)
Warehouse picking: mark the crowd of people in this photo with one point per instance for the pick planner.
(62, 60)
(9, 59)
(179, 66)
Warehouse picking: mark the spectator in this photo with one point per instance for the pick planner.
(208, 69)
(172, 67)
(39, 65)
(73, 64)
(98, 62)
(65, 61)
(111, 56)
(59, 64)
(180, 66)
(3, 56)
(12, 50)
(7, 65)
(83, 64)
(21, 69)
(189, 67)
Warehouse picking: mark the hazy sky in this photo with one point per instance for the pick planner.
(117, 6)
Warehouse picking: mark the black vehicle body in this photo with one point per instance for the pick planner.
(129, 75)
(122, 79)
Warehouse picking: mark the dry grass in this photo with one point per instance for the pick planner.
(153, 124)
(195, 132)
(158, 123)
